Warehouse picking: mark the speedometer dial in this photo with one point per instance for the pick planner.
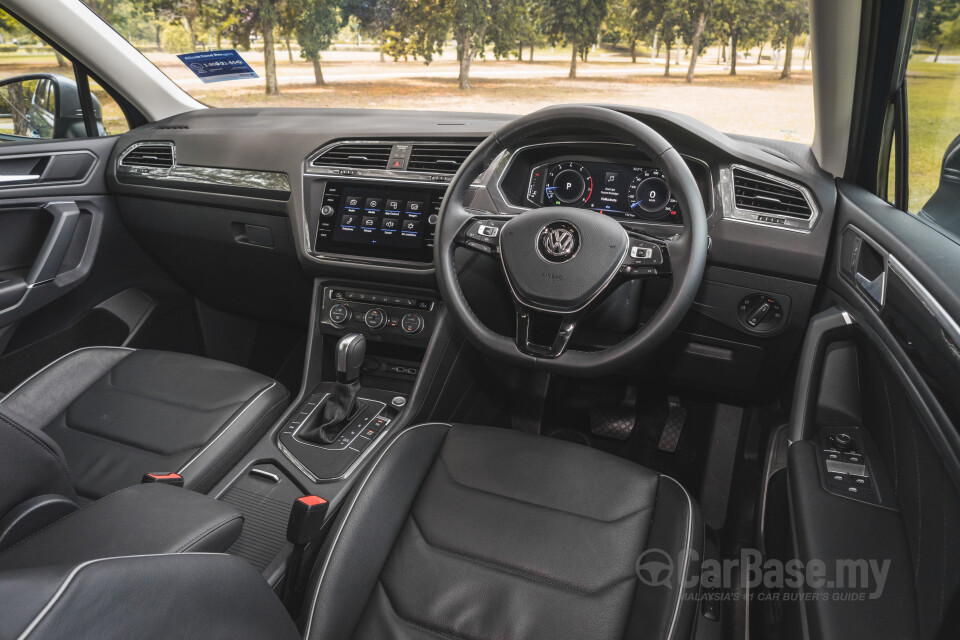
(650, 197)
(569, 184)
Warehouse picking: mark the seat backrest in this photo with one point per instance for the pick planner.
(31, 464)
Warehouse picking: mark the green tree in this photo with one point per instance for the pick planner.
(575, 23)
(376, 17)
(317, 23)
(741, 22)
(695, 14)
(506, 29)
(937, 23)
(421, 27)
(269, 10)
(790, 19)
(628, 27)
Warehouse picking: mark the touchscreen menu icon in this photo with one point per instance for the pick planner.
(349, 221)
(352, 202)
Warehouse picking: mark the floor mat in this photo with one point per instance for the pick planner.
(568, 417)
(97, 328)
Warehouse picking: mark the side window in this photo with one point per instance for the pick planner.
(933, 115)
(40, 98)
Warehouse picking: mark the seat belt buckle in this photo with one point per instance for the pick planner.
(162, 477)
(306, 519)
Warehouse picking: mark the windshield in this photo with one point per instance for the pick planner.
(741, 66)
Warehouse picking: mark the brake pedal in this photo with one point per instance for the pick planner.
(615, 422)
(673, 427)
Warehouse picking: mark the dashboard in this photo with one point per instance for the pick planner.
(263, 200)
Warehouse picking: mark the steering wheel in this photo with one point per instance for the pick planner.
(559, 261)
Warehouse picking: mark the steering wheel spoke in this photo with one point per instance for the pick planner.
(647, 257)
(526, 330)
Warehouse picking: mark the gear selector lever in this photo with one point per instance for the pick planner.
(341, 405)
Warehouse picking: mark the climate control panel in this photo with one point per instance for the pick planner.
(380, 316)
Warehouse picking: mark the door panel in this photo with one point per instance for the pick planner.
(881, 364)
(50, 225)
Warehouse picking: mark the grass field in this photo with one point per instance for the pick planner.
(933, 115)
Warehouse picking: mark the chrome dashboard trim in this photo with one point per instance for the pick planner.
(202, 175)
(387, 175)
(147, 172)
(731, 212)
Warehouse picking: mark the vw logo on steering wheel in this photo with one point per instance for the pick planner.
(558, 241)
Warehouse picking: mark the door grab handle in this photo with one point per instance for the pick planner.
(66, 215)
(25, 179)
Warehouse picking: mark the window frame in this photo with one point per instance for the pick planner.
(82, 76)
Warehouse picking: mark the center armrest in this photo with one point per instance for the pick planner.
(142, 519)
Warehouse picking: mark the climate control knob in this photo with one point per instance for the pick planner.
(412, 324)
(340, 314)
(375, 318)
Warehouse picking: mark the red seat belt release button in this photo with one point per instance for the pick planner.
(161, 477)
(306, 519)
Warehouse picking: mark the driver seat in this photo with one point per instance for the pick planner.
(470, 532)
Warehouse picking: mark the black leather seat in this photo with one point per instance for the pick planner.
(456, 532)
(97, 419)
(472, 532)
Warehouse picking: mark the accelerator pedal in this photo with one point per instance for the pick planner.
(673, 427)
(615, 422)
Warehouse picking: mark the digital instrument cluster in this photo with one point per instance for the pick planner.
(628, 192)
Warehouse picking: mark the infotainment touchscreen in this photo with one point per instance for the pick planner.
(382, 217)
(380, 221)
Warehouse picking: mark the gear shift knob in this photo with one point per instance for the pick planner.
(351, 350)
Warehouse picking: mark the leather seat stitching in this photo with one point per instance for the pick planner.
(345, 515)
(535, 504)
(520, 572)
(43, 446)
(120, 443)
(245, 442)
(182, 405)
(437, 631)
(227, 425)
(209, 531)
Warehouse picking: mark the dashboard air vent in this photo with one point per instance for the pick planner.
(157, 155)
(439, 158)
(355, 156)
(754, 192)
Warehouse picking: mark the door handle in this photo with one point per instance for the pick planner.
(66, 215)
(15, 179)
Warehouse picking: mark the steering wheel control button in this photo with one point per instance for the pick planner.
(340, 314)
(412, 324)
(644, 254)
(483, 235)
(375, 319)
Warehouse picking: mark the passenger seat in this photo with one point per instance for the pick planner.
(97, 419)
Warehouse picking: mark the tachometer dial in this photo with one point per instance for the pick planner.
(650, 197)
(568, 184)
